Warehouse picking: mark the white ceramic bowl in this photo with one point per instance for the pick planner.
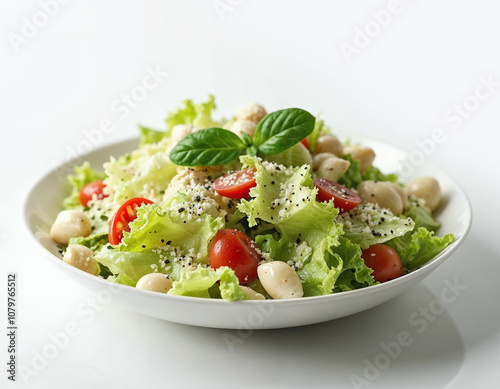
(43, 204)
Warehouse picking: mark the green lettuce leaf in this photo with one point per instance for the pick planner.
(421, 215)
(369, 224)
(129, 265)
(95, 242)
(286, 199)
(155, 227)
(198, 282)
(198, 115)
(354, 274)
(296, 155)
(353, 176)
(84, 175)
(154, 174)
(149, 135)
(137, 174)
(373, 173)
(417, 248)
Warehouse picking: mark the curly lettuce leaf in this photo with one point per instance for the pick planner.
(373, 173)
(129, 265)
(297, 155)
(353, 273)
(154, 174)
(140, 172)
(198, 282)
(421, 215)
(84, 175)
(419, 247)
(198, 115)
(155, 226)
(369, 224)
(149, 135)
(353, 176)
(286, 199)
(95, 242)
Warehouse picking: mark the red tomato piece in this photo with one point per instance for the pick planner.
(236, 185)
(122, 217)
(384, 261)
(90, 189)
(305, 142)
(343, 198)
(234, 249)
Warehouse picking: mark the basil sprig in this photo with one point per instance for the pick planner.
(275, 133)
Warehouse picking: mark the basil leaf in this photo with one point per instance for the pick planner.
(213, 146)
(246, 139)
(252, 151)
(282, 129)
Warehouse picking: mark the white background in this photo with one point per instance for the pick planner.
(61, 79)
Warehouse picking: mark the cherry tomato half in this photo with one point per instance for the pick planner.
(236, 185)
(343, 198)
(305, 142)
(384, 261)
(89, 190)
(122, 217)
(236, 250)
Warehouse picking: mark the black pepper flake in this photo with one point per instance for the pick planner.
(181, 209)
(143, 246)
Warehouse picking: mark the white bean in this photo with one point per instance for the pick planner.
(82, 258)
(69, 224)
(333, 168)
(364, 155)
(426, 188)
(382, 194)
(280, 280)
(155, 282)
(328, 144)
(246, 126)
(252, 111)
(318, 159)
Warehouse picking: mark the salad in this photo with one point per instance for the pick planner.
(258, 206)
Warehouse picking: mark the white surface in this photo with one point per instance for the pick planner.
(44, 203)
(65, 80)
